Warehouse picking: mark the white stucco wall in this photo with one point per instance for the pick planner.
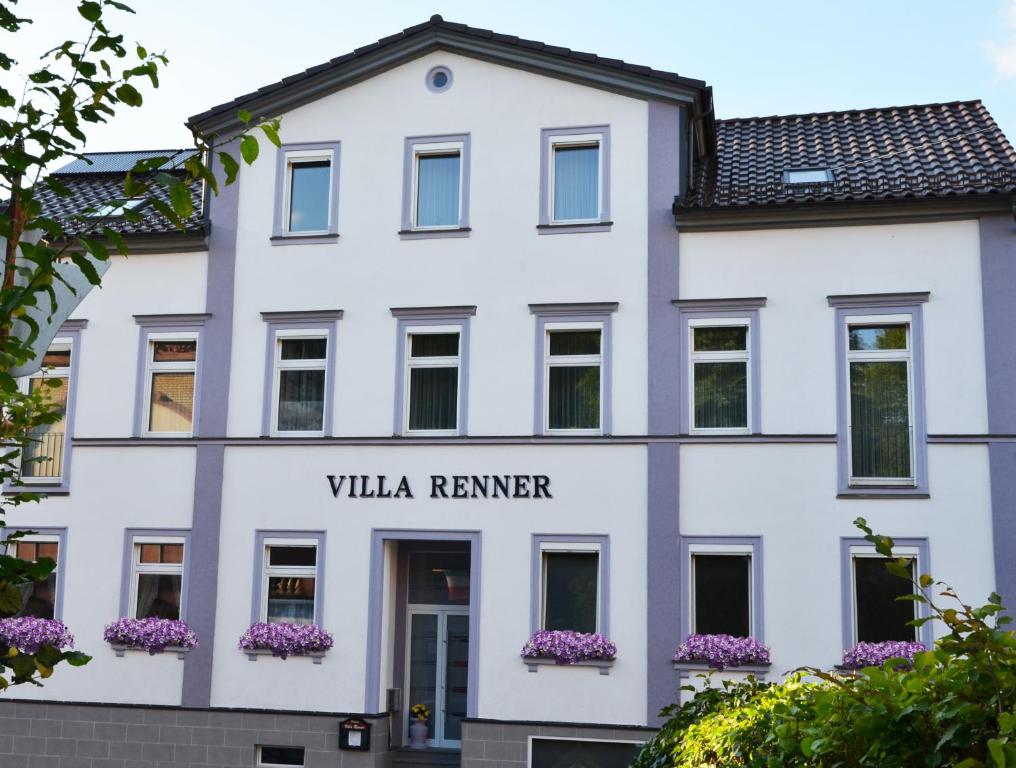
(502, 267)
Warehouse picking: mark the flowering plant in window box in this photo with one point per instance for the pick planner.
(284, 639)
(152, 635)
(567, 647)
(722, 651)
(28, 634)
(862, 655)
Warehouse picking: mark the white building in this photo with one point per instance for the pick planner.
(454, 366)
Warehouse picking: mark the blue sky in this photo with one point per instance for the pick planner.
(762, 58)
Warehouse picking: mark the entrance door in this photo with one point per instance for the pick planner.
(437, 641)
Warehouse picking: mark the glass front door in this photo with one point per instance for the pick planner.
(439, 670)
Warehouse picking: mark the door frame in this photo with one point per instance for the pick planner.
(440, 670)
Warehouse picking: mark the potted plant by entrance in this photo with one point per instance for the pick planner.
(418, 727)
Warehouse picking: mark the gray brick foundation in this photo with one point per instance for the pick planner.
(498, 744)
(54, 735)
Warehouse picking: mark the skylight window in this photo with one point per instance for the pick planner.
(807, 176)
(117, 208)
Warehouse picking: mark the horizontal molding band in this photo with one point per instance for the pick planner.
(559, 724)
(178, 708)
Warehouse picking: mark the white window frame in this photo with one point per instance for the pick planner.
(59, 344)
(558, 361)
(573, 140)
(152, 367)
(279, 365)
(430, 362)
(161, 569)
(262, 764)
(269, 571)
(858, 552)
(296, 157)
(722, 549)
(568, 547)
(717, 357)
(435, 148)
(881, 355)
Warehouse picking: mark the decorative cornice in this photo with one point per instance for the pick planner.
(302, 315)
(421, 313)
(198, 318)
(750, 302)
(575, 308)
(879, 299)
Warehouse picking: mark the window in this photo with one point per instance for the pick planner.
(881, 427)
(575, 177)
(872, 610)
(880, 413)
(439, 79)
(307, 189)
(566, 753)
(574, 361)
(432, 380)
(289, 581)
(807, 176)
(270, 757)
(169, 382)
(156, 586)
(39, 598)
(571, 576)
(720, 374)
(723, 575)
(436, 191)
(42, 457)
(301, 363)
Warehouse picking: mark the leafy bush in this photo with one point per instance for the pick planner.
(955, 706)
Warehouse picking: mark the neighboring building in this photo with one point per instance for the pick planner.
(442, 372)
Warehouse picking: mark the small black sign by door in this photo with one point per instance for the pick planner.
(354, 734)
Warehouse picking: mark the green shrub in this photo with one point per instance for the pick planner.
(956, 706)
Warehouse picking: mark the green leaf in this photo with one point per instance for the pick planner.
(129, 95)
(249, 149)
(90, 10)
(272, 133)
(230, 166)
(997, 752)
(10, 599)
(181, 199)
(77, 658)
(244, 116)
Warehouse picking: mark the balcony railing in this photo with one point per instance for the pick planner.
(42, 455)
(881, 452)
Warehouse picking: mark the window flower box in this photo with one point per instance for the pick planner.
(284, 640)
(862, 655)
(28, 634)
(151, 635)
(720, 652)
(567, 648)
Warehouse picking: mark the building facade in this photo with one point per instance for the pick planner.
(508, 338)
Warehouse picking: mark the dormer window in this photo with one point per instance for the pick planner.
(807, 176)
(116, 208)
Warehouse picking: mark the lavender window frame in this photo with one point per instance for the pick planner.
(546, 225)
(126, 587)
(280, 231)
(60, 532)
(688, 543)
(861, 305)
(261, 536)
(704, 309)
(409, 230)
(169, 324)
(70, 329)
(294, 321)
(924, 632)
(593, 312)
(408, 317)
(536, 576)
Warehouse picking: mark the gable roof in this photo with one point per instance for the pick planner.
(921, 151)
(436, 33)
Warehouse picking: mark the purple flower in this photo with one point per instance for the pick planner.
(152, 635)
(567, 647)
(286, 639)
(722, 651)
(876, 654)
(28, 634)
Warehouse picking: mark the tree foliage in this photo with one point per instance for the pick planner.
(78, 84)
(956, 705)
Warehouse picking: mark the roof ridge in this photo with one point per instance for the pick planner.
(862, 110)
(135, 151)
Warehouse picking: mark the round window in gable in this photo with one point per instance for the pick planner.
(439, 79)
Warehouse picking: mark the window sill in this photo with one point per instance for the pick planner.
(55, 487)
(565, 229)
(304, 239)
(316, 656)
(701, 666)
(882, 492)
(120, 650)
(535, 664)
(433, 234)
